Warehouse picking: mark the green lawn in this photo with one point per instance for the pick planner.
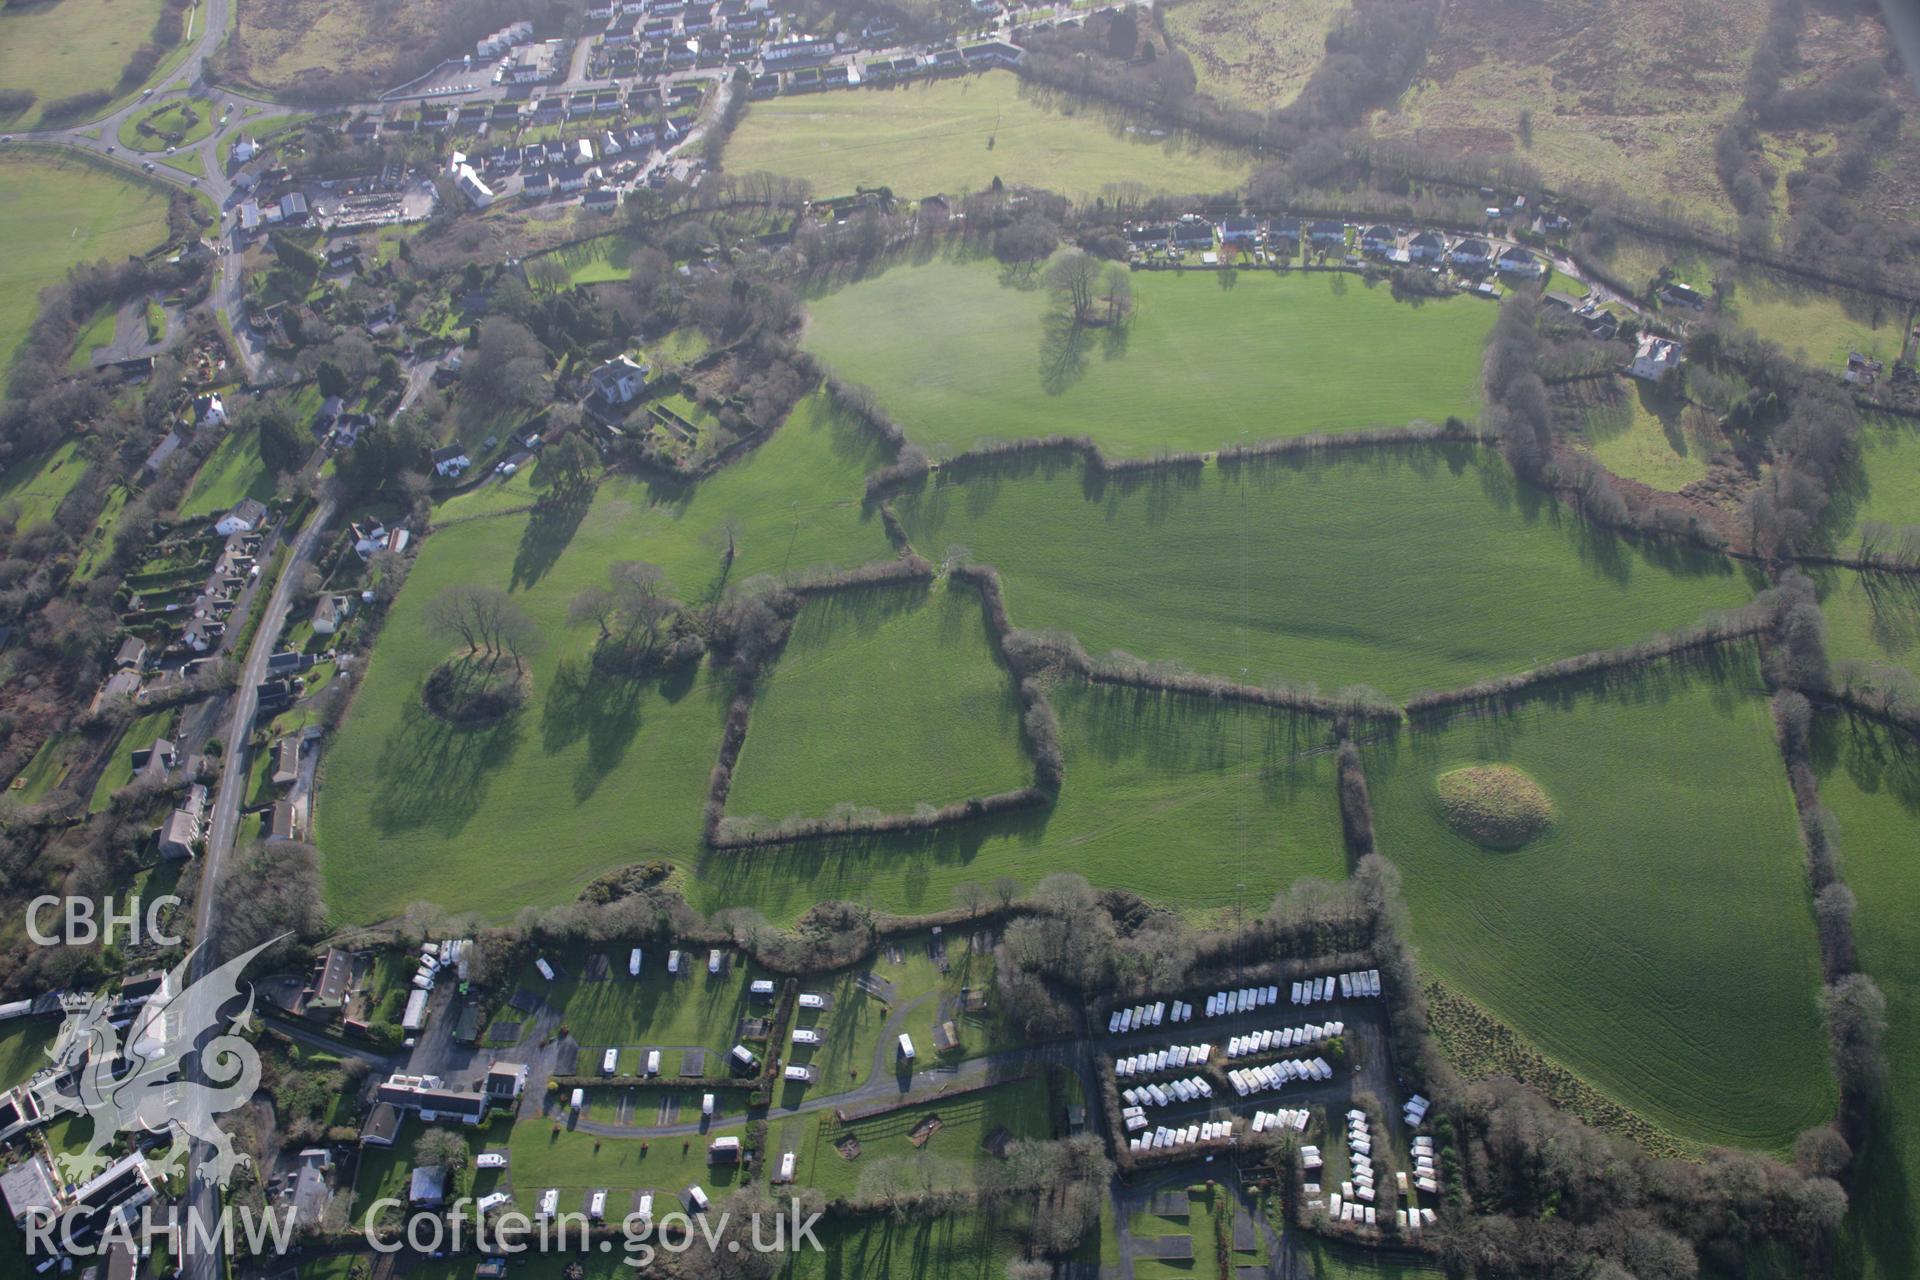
(1648, 437)
(167, 119)
(99, 332)
(47, 767)
(57, 212)
(232, 472)
(1208, 359)
(965, 1122)
(1816, 327)
(99, 544)
(657, 1010)
(411, 809)
(883, 699)
(385, 1171)
(1405, 569)
(957, 1246)
(1196, 804)
(1870, 779)
(139, 733)
(598, 260)
(61, 49)
(23, 1048)
(35, 486)
(1657, 939)
(958, 134)
(544, 1155)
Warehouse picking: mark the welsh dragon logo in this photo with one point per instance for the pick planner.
(141, 1084)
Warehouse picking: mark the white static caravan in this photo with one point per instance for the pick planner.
(609, 1061)
(645, 1211)
(906, 1047)
(723, 1149)
(597, 1206)
(713, 960)
(697, 1199)
(785, 1172)
(416, 1015)
(578, 1099)
(633, 963)
(546, 970)
(761, 988)
(653, 1062)
(673, 961)
(549, 1202)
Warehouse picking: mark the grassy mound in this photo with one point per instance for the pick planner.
(1494, 805)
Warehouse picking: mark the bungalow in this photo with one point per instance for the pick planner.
(250, 215)
(601, 200)
(247, 517)
(244, 149)
(132, 655)
(1683, 295)
(1241, 229)
(1327, 235)
(450, 461)
(293, 207)
(209, 411)
(154, 760)
(329, 612)
(286, 762)
(284, 822)
(1427, 247)
(1655, 356)
(1602, 325)
(1522, 262)
(1379, 239)
(1471, 254)
(169, 445)
(618, 381)
(382, 319)
(506, 1080)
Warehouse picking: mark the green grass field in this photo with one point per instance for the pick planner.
(957, 135)
(23, 1048)
(883, 699)
(48, 766)
(57, 212)
(71, 47)
(1870, 779)
(34, 487)
(1885, 487)
(1647, 437)
(1198, 805)
(578, 1164)
(409, 808)
(1658, 938)
(1252, 53)
(1373, 567)
(958, 1246)
(1816, 327)
(232, 472)
(1208, 358)
(1871, 618)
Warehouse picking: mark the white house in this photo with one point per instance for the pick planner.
(244, 149)
(450, 461)
(478, 193)
(210, 411)
(618, 381)
(1654, 357)
(247, 517)
(329, 612)
(1522, 262)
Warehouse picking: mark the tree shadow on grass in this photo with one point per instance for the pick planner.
(434, 775)
(604, 708)
(549, 529)
(1063, 352)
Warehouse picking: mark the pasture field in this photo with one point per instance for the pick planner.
(1658, 938)
(1632, 102)
(1209, 358)
(56, 212)
(1870, 780)
(958, 134)
(966, 1122)
(232, 472)
(494, 819)
(968, 1245)
(1816, 327)
(1885, 488)
(1647, 437)
(1871, 617)
(1369, 567)
(691, 1009)
(100, 331)
(1202, 806)
(33, 488)
(1249, 53)
(885, 700)
(73, 46)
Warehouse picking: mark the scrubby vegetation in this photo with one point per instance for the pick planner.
(1494, 805)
